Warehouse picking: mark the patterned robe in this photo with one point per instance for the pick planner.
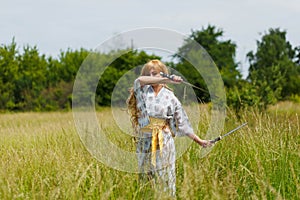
(166, 106)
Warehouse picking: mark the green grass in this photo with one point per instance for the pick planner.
(42, 157)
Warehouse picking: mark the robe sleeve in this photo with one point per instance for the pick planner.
(140, 95)
(180, 124)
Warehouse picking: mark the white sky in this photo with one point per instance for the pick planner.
(55, 25)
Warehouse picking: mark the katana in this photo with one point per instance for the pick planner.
(221, 137)
(185, 82)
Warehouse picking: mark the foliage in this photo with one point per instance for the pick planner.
(8, 75)
(274, 66)
(273, 74)
(125, 62)
(259, 93)
(30, 81)
(242, 96)
(222, 54)
(295, 98)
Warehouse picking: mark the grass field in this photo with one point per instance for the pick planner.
(42, 157)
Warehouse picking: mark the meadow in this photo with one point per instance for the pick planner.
(42, 157)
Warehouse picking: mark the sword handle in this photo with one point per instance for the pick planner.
(215, 140)
(167, 76)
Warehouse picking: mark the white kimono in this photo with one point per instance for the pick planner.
(165, 106)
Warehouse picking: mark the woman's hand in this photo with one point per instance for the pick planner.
(176, 79)
(203, 143)
(206, 143)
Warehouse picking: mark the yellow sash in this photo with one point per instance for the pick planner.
(156, 126)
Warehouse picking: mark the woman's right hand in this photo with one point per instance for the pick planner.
(176, 79)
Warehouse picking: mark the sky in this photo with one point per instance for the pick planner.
(56, 25)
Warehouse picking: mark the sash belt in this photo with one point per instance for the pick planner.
(156, 126)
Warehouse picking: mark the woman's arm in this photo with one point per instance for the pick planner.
(183, 126)
(203, 143)
(147, 80)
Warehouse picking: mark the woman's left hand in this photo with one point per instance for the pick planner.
(206, 143)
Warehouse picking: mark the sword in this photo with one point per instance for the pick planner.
(185, 82)
(221, 137)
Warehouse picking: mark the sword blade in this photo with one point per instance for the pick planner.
(194, 86)
(189, 84)
(234, 130)
(228, 133)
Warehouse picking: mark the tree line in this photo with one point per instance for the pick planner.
(30, 81)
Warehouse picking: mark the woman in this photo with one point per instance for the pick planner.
(157, 116)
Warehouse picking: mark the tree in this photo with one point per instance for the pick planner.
(61, 76)
(221, 52)
(31, 79)
(69, 63)
(128, 60)
(8, 75)
(274, 65)
(243, 96)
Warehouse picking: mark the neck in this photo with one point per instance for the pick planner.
(157, 88)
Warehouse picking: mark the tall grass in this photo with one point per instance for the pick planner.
(42, 157)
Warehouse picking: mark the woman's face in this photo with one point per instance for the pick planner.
(154, 73)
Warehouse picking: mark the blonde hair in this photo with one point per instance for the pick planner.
(154, 64)
(131, 101)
